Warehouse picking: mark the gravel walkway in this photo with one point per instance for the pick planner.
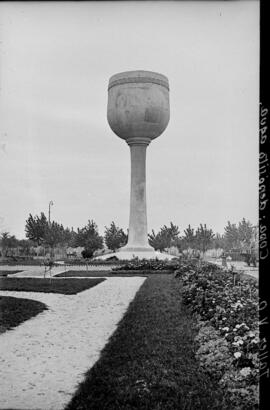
(44, 359)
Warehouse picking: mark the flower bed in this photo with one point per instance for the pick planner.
(148, 265)
(93, 262)
(226, 307)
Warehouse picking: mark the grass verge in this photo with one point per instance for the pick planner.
(8, 272)
(149, 362)
(14, 311)
(64, 286)
(98, 274)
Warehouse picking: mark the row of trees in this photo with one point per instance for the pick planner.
(241, 237)
(40, 231)
(9, 242)
(200, 239)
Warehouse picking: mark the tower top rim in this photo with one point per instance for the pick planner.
(138, 76)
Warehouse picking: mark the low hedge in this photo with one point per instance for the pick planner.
(151, 264)
(92, 262)
(140, 271)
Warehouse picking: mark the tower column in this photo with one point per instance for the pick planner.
(138, 235)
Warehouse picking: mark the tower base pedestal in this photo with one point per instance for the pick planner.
(131, 253)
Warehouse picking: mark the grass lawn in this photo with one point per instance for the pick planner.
(64, 286)
(96, 274)
(149, 362)
(14, 311)
(8, 272)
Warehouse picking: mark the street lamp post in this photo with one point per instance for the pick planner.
(51, 251)
(50, 204)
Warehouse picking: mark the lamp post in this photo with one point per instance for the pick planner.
(50, 204)
(51, 248)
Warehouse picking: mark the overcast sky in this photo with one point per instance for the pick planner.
(56, 144)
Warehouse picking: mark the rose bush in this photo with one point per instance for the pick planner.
(226, 306)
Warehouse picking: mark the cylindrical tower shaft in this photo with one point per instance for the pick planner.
(137, 236)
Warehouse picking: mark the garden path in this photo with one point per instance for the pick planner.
(44, 359)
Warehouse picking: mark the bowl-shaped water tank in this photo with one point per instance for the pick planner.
(138, 104)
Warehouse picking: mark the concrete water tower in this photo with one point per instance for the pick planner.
(138, 112)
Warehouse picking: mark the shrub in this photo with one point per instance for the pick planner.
(228, 337)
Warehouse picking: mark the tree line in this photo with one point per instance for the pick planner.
(39, 231)
(240, 237)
